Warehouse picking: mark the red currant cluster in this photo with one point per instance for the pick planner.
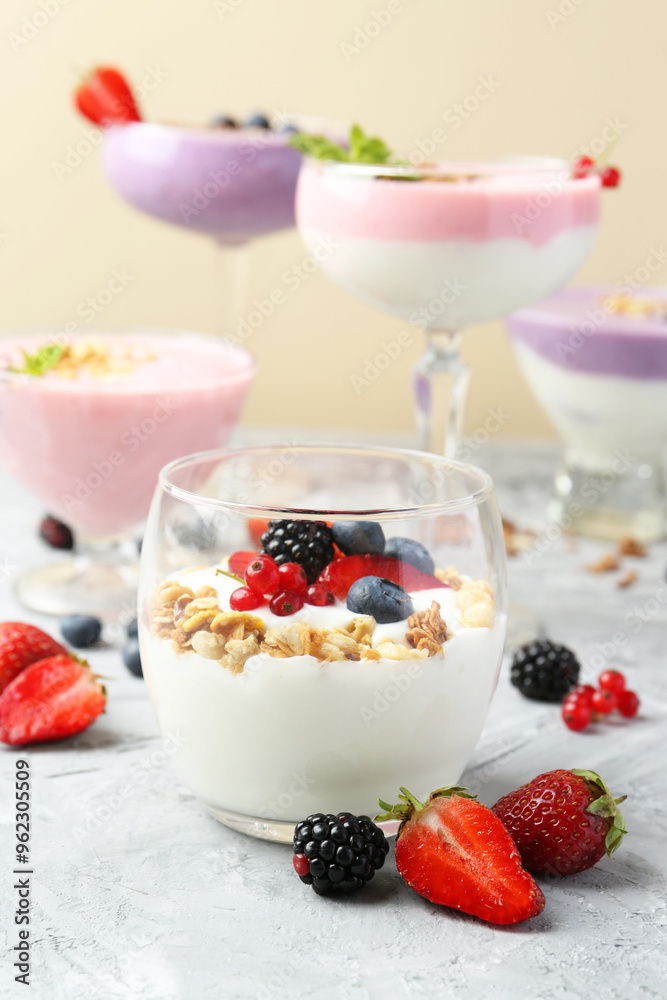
(585, 704)
(584, 166)
(285, 588)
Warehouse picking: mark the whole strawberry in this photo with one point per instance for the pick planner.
(562, 822)
(21, 645)
(49, 700)
(455, 852)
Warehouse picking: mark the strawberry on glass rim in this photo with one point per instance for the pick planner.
(105, 97)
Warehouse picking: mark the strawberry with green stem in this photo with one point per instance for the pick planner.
(562, 822)
(453, 851)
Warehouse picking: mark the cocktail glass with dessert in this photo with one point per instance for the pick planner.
(86, 423)
(445, 247)
(233, 181)
(596, 359)
(342, 633)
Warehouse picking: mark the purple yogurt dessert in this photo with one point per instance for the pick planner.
(596, 360)
(232, 184)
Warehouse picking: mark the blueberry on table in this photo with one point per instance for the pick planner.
(407, 550)
(81, 631)
(132, 658)
(358, 537)
(257, 120)
(383, 599)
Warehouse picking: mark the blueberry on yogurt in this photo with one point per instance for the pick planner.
(383, 599)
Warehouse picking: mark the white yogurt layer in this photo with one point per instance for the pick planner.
(458, 282)
(598, 414)
(287, 737)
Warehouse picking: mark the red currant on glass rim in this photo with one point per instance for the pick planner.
(292, 576)
(610, 177)
(583, 166)
(262, 574)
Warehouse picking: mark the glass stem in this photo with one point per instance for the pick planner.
(233, 279)
(440, 382)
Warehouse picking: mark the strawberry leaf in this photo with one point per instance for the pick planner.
(604, 804)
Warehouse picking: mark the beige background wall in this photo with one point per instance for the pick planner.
(560, 70)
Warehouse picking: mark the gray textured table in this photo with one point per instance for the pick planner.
(137, 893)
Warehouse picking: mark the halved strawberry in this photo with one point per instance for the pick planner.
(256, 528)
(21, 645)
(238, 562)
(455, 852)
(51, 699)
(340, 574)
(105, 97)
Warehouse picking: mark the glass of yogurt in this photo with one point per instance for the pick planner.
(86, 423)
(359, 653)
(596, 359)
(444, 247)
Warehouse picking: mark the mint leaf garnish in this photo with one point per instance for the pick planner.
(363, 148)
(41, 361)
(317, 146)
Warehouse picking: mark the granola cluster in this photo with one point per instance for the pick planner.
(193, 621)
(94, 357)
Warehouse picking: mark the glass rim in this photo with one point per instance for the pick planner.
(14, 335)
(484, 167)
(472, 499)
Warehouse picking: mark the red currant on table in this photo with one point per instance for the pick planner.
(603, 702)
(245, 599)
(286, 602)
(610, 177)
(262, 574)
(576, 715)
(628, 704)
(612, 680)
(582, 693)
(292, 576)
(238, 562)
(319, 595)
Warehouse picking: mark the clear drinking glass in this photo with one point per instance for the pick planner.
(89, 443)
(325, 708)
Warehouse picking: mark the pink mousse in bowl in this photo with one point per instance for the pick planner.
(233, 184)
(89, 436)
(449, 245)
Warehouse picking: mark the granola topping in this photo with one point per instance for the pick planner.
(193, 621)
(94, 358)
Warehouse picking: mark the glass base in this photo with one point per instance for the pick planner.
(523, 626)
(611, 500)
(81, 585)
(269, 829)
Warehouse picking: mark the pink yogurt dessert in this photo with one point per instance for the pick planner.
(233, 184)
(449, 245)
(89, 436)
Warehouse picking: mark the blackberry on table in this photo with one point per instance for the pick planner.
(544, 670)
(309, 543)
(338, 853)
